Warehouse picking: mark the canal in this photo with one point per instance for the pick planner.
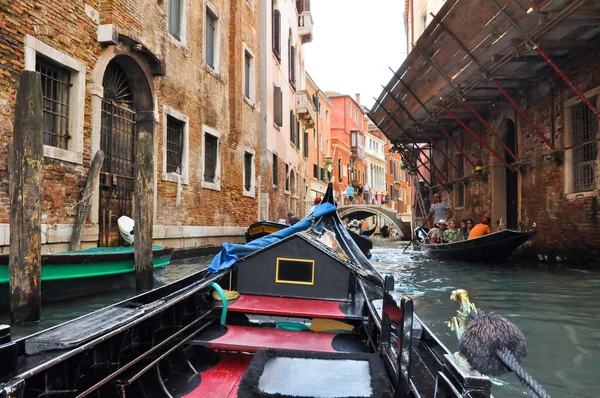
(556, 308)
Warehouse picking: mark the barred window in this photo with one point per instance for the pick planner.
(585, 153)
(211, 147)
(56, 86)
(248, 162)
(175, 132)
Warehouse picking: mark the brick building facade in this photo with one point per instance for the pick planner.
(114, 68)
(525, 143)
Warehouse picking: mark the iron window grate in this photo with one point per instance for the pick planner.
(175, 131)
(585, 155)
(56, 84)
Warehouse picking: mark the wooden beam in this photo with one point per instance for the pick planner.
(549, 45)
(26, 174)
(91, 185)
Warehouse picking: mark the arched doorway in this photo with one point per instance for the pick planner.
(505, 181)
(126, 100)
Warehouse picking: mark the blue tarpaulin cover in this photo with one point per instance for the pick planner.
(232, 252)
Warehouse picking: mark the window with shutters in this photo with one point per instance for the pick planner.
(249, 171)
(275, 171)
(175, 137)
(277, 106)
(340, 170)
(177, 20)
(276, 32)
(211, 39)
(315, 171)
(292, 59)
(321, 174)
(293, 128)
(305, 144)
(287, 177)
(212, 159)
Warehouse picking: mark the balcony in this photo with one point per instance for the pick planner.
(305, 109)
(305, 26)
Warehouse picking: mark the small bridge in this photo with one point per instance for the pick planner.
(362, 211)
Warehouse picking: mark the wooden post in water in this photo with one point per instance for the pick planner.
(26, 162)
(84, 206)
(143, 211)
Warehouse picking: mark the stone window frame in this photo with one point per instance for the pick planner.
(327, 116)
(251, 100)
(185, 158)
(208, 7)
(183, 24)
(74, 153)
(568, 169)
(250, 193)
(216, 185)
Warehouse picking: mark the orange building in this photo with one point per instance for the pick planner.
(317, 145)
(348, 151)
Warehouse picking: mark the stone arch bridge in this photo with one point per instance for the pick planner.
(362, 211)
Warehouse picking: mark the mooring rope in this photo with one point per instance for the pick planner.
(532, 387)
(510, 360)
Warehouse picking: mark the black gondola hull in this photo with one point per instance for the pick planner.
(495, 247)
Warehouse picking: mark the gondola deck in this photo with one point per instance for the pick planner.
(223, 379)
(294, 307)
(253, 339)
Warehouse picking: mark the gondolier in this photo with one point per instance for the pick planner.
(439, 210)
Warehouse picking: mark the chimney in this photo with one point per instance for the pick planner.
(357, 98)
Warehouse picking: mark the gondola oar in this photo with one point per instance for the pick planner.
(421, 227)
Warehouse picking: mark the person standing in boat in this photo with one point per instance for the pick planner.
(481, 229)
(439, 210)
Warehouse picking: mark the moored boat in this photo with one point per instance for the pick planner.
(494, 247)
(67, 275)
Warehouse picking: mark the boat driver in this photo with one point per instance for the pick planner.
(439, 210)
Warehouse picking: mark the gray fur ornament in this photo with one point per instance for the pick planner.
(486, 336)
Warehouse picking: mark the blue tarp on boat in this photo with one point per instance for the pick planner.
(232, 252)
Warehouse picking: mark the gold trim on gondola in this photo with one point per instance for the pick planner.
(277, 280)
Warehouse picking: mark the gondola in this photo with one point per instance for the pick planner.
(494, 247)
(68, 275)
(297, 313)
(260, 229)
(369, 232)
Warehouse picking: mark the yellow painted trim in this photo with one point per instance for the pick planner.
(277, 280)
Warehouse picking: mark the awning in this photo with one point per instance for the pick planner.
(418, 102)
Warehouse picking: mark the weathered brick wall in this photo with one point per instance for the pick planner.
(188, 87)
(64, 26)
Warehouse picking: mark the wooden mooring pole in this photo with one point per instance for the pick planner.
(84, 206)
(26, 161)
(143, 211)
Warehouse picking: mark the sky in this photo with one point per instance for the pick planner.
(355, 42)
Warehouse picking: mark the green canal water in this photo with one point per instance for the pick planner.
(556, 308)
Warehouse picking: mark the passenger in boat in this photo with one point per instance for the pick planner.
(481, 229)
(464, 233)
(452, 234)
(439, 210)
(436, 235)
(470, 224)
(292, 219)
